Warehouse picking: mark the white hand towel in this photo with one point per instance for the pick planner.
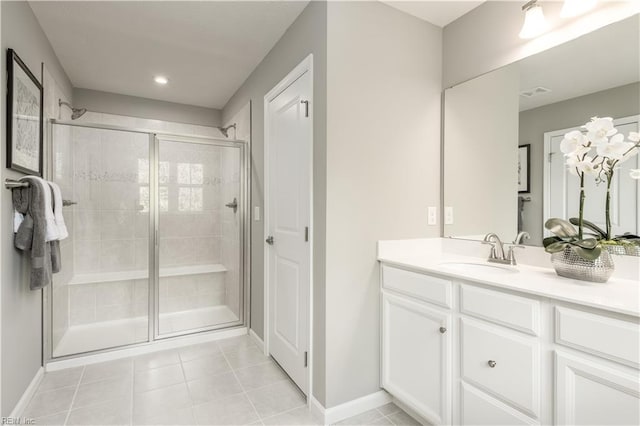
(57, 211)
(51, 229)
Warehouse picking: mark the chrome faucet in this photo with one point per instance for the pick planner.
(517, 243)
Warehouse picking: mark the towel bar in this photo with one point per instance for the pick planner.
(10, 184)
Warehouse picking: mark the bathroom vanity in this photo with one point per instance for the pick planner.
(467, 342)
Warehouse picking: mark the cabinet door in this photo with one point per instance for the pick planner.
(588, 393)
(416, 351)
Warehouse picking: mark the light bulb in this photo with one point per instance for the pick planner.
(534, 22)
(161, 79)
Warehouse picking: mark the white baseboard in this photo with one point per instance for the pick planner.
(158, 345)
(349, 409)
(27, 395)
(257, 339)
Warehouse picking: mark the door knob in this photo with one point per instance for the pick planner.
(233, 205)
(491, 363)
(269, 240)
(443, 330)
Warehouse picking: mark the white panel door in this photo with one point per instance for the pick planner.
(416, 352)
(564, 188)
(592, 394)
(288, 217)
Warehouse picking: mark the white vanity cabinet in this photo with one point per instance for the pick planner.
(459, 352)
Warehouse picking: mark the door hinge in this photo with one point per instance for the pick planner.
(550, 155)
(306, 359)
(306, 234)
(306, 108)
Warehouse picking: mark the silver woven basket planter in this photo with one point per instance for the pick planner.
(632, 250)
(569, 265)
(620, 250)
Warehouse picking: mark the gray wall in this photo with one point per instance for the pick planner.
(113, 103)
(308, 34)
(21, 308)
(383, 156)
(618, 102)
(486, 38)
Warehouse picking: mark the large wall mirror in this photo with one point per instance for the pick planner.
(503, 169)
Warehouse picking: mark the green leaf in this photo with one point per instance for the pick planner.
(592, 226)
(561, 228)
(586, 253)
(556, 247)
(587, 243)
(550, 240)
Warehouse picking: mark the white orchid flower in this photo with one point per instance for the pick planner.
(634, 137)
(572, 142)
(635, 173)
(599, 130)
(586, 166)
(615, 148)
(631, 153)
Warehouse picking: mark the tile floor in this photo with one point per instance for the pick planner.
(228, 382)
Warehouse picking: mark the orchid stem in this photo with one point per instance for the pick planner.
(581, 212)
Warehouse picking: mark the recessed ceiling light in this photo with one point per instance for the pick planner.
(160, 79)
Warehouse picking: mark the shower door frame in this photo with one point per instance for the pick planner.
(154, 244)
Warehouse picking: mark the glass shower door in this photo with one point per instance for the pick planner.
(100, 298)
(199, 229)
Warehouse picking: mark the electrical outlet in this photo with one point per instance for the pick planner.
(432, 218)
(448, 215)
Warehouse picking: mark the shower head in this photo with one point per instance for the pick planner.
(225, 130)
(75, 112)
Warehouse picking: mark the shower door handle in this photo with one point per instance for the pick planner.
(233, 205)
(269, 240)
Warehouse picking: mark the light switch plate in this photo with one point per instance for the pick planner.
(448, 215)
(256, 213)
(432, 218)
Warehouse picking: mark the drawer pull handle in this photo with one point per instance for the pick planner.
(443, 330)
(491, 363)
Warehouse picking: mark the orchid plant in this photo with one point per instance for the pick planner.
(611, 150)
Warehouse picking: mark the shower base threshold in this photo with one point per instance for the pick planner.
(109, 334)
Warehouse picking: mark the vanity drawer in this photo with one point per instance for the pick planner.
(600, 335)
(478, 408)
(503, 363)
(431, 289)
(519, 313)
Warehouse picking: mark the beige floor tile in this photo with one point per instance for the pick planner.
(156, 360)
(160, 402)
(260, 375)
(362, 419)
(52, 420)
(382, 421)
(298, 416)
(158, 377)
(403, 419)
(213, 387)
(277, 398)
(235, 343)
(60, 379)
(201, 367)
(100, 392)
(51, 402)
(115, 412)
(107, 370)
(234, 410)
(181, 416)
(388, 409)
(198, 351)
(246, 357)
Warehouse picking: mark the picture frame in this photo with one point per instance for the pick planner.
(524, 168)
(25, 130)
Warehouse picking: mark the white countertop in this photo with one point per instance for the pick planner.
(431, 255)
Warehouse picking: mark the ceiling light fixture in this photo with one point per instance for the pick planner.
(534, 21)
(572, 8)
(160, 79)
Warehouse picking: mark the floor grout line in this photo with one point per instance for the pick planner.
(244, 391)
(73, 400)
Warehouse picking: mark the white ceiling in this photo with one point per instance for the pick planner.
(206, 49)
(440, 13)
(603, 59)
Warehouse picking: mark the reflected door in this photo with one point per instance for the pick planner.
(199, 236)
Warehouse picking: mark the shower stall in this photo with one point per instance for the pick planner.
(158, 241)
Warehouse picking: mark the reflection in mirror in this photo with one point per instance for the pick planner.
(535, 102)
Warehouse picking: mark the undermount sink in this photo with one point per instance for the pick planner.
(470, 266)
